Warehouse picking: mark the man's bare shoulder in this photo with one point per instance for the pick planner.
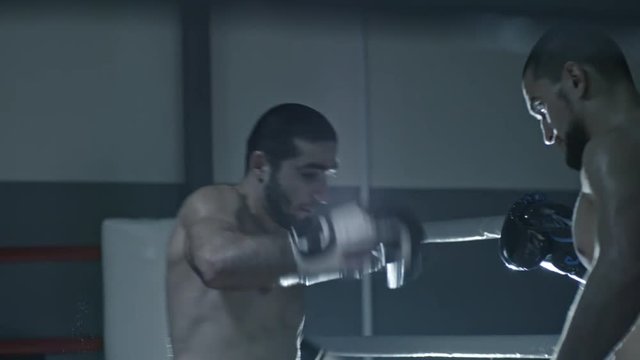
(623, 141)
(214, 201)
(614, 156)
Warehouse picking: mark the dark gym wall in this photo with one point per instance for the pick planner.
(90, 92)
(92, 128)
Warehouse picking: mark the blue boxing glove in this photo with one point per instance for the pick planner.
(538, 232)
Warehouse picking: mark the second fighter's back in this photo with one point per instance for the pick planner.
(217, 323)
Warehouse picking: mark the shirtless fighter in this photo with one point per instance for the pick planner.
(234, 245)
(577, 83)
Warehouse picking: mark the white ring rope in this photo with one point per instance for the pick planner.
(472, 229)
(476, 347)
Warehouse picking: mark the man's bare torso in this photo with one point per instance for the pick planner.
(586, 242)
(207, 323)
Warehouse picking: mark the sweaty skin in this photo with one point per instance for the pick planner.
(596, 122)
(211, 324)
(586, 225)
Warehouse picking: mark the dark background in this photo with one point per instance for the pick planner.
(464, 290)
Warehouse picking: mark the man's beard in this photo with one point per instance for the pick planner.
(277, 202)
(576, 140)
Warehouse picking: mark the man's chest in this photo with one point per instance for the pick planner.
(585, 227)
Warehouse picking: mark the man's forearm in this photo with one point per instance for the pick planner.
(261, 262)
(252, 262)
(603, 314)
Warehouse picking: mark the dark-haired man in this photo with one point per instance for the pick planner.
(233, 245)
(577, 83)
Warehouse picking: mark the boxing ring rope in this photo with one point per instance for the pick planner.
(437, 232)
(54, 345)
(49, 346)
(49, 253)
(474, 229)
(462, 230)
(476, 347)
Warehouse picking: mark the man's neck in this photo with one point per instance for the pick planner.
(620, 106)
(256, 202)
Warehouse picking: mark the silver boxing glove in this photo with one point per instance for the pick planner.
(343, 243)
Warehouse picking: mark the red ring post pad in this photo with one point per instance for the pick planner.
(49, 253)
(50, 346)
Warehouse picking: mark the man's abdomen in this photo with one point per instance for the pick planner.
(211, 324)
(230, 344)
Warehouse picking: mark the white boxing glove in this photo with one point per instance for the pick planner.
(341, 244)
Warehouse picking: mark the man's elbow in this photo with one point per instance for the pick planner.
(212, 271)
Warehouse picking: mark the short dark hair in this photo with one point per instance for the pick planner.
(275, 131)
(582, 44)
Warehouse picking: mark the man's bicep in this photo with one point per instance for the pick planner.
(209, 227)
(210, 245)
(205, 218)
(209, 236)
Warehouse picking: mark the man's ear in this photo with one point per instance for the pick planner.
(259, 165)
(575, 79)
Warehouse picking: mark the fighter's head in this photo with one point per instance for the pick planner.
(290, 154)
(567, 71)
